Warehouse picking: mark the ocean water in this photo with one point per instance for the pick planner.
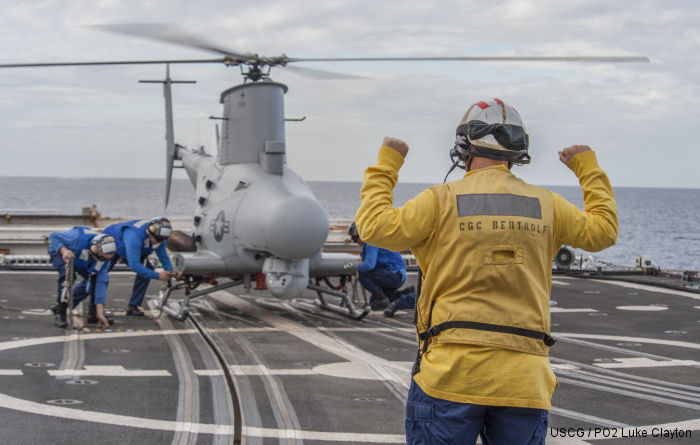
(661, 223)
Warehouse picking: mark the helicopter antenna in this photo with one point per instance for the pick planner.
(170, 150)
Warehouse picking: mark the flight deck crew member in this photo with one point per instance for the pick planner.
(485, 245)
(90, 253)
(381, 271)
(136, 240)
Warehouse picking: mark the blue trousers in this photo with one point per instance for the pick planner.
(138, 291)
(406, 301)
(85, 288)
(432, 421)
(382, 279)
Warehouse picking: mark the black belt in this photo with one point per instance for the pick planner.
(435, 330)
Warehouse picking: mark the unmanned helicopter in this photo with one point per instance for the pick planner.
(255, 219)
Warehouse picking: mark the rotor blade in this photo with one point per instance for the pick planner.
(321, 74)
(167, 33)
(603, 59)
(112, 62)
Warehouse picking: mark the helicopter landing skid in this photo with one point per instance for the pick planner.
(347, 309)
(180, 309)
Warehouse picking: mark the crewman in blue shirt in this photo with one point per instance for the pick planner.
(90, 253)
(136, 240)
(381, 271)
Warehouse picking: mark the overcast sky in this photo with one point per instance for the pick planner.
(642, 119)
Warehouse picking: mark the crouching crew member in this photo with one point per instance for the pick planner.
(381, 271)
(90, 254)
(485, 244)
(135, 241)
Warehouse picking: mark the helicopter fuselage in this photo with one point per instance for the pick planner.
(253, 213)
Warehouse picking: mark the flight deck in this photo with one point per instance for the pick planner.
(246, 367)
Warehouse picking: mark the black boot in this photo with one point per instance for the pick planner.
(390, 310)
(405, 291)
(61, 316)
(380, 301)
(134, 311)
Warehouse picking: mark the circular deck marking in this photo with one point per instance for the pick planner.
(81, 382)
(306, 364)
(642, 308)
(46, 409)
(64, 402)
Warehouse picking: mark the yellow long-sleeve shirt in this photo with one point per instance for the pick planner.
(469, 373)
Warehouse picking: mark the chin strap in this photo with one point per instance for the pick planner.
(450, 171)
(457, 156)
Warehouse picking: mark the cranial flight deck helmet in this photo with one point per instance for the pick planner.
(101, 246)
(490, 129)
(160, 229)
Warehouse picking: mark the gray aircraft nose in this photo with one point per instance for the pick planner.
(298, 229)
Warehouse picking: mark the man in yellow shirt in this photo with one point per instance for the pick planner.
(485, 245)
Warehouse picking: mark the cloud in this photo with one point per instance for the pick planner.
(628, 111)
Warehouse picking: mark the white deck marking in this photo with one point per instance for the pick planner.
(586, 417)
(564, 366)
(642, 308)
(560, 283)
(680, 344)
(37, 312)
(645, 287)
(561, 309)
(350, 370)
(61, 338)
(108, 371)
(255, 370)
(11, 372)
(644, 362)
(323, 436)
(362, 361)
(202, 428)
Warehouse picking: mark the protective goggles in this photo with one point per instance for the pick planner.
(512, 137)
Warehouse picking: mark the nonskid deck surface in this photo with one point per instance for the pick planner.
(627, 359)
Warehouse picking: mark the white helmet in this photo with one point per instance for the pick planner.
(492, 129)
